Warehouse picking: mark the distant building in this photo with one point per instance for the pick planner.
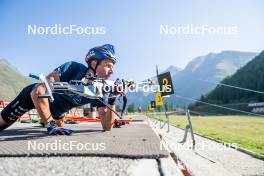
(257, 107)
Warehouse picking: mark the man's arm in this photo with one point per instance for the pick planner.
(42, 105)
(107, 117)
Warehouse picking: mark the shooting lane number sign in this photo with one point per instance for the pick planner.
(165, 83)
(159, 101)
(150, 108)
(153, 104)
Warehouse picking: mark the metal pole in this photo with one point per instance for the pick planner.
(190, 126)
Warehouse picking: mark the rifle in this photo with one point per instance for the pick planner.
(94, 90)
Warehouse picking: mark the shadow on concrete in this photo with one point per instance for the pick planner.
(16, 134)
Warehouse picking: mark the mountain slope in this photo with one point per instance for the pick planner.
(251, 76)
(11, 81)
(200, 74)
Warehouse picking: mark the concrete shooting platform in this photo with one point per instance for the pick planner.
(137, 118)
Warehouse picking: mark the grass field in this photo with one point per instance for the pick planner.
(246, 131)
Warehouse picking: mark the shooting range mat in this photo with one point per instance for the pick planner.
(136, 140)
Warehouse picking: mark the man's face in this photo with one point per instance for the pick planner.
(105, 69)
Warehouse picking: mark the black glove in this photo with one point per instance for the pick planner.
(54, 130)
(118, 123)
(60, 131)
(115, 92)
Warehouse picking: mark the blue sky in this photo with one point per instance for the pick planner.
(132, 26)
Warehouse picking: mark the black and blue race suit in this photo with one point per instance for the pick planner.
(62, 102)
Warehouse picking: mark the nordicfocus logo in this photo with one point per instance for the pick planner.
(204, 145)
(58, 29)
(66, 146)
(135, 88)
(191, 29)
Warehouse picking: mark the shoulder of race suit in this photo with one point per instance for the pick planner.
(71, 71)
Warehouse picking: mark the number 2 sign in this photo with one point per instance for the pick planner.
(165, 83)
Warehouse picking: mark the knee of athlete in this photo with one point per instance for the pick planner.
(2, 121)
(39, 90)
